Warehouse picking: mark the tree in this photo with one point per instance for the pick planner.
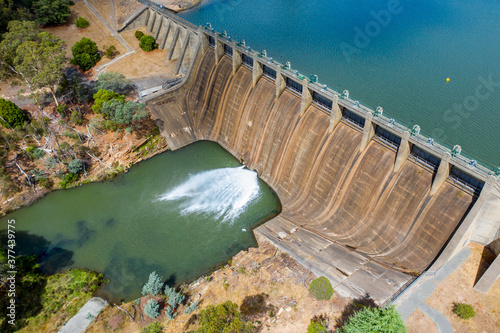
(223, 318)
(11, 115)
(152, 309)
(103, 96)
(148, 43)
(14, 10)
(76, 166)
(37, 57)
(18, 33)
(42, 61)
(52, 11)
(113, 81)
(85, 54)
(153, 286)
(375, 320)
(123, 113)
(81, 23)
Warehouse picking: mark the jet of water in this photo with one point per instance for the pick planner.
(224, 192)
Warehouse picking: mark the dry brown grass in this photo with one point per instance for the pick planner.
(458, 288)
(142, 64)
(95, 31)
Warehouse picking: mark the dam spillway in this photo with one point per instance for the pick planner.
(362, 206)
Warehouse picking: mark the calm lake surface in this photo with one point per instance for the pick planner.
(401, 65)
(178, 213)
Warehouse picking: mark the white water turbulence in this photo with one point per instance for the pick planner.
(224, 192)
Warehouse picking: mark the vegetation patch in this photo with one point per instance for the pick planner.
(464, 311)
(85, 54)
(11, 115)
(152, 328)
(138, 34)
(81, 23)
(148, 43)
(318, 324)
(222, 318)
(375, 320)
(321, 289)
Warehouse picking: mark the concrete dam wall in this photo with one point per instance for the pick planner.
(366, 202)
(324, 182)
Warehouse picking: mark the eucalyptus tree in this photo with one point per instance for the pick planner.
(36, 57)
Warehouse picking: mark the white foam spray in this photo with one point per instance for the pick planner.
(224, 192)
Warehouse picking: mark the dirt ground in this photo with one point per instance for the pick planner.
(107, 10)
(457, 288)
(142, 64)
(95, 31)
(123, 9)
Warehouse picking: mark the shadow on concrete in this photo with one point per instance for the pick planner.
(487, 257)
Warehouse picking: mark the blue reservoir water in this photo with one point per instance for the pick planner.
(396, 54)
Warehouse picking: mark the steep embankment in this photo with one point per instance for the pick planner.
(325, 184)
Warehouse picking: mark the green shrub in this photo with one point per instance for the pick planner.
(67, 180)
(321, 289)
(85, 54)
(152, 309)
(76, 117)
(464, 311)
(35, 152)
(152, 328)
(81, 22)
(122, 112)
(374, 320)
(316, 327)
(174, 298)
(109, 51)
(44, 182)
(222, 318)
(138, 34)
(76, 166)
(148, 43)
(114, 81)
(104, 96)
(11, 114)
(153, 286)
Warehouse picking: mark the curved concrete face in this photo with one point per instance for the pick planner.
(347, 214)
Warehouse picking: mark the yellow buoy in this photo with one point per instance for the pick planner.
(447, 79)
